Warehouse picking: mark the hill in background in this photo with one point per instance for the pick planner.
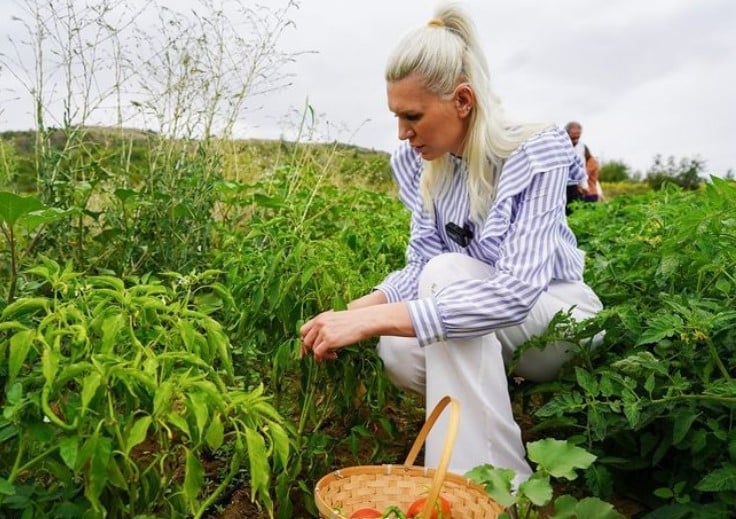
(133, 151)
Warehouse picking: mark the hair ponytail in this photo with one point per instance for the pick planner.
(445, 53)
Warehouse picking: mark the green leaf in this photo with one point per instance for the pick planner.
(49, 364)
(650, 383)
(193, 478)
(25, 305)
(559, 458)
(660, 327)
(20, 345)
(68, 450)
(162, 399)
(219, 344)
(538, 489)
(189, 336)
(632, 408)
(6, 488)
(564, 508)
(684, 419)
(199, 407)
(720, 480)
(586, 381)
(13, 207)
(722, 285)
(138, 433)
(35, 218)
(179, 421)
(664, 493)
(111, 328)
(97, 475)
(124, 194)
(497, 482)
(275, 202)
(594, 508)
(215, 433)
(90, 384)
(258, 458)
(116, 476)
(280, 443)
(15, 393)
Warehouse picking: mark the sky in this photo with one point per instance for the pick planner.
(643, 77)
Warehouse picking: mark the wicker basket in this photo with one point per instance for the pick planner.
(378, 486)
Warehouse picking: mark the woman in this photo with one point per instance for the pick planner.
(490, 258)
(594, 192)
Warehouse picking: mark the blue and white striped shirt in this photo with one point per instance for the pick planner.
(525, 239)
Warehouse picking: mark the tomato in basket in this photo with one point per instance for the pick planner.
(440, 510)
(365, 513)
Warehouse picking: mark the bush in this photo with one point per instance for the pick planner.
(686, 173)
(614, 171)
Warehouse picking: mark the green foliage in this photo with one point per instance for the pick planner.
(20, 216)
(121, 399)
(656, 399)
(687, 173)
(554, 459)
(289, 251)
(8, 163)
(628, 188)
(614, 171)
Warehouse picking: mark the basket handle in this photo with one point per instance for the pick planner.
(450, 437)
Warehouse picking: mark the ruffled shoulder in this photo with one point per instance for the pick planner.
(406, 164)
(548, 150)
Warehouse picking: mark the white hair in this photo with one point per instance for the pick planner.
(445, 53)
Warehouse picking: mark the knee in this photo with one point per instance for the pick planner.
(403, 361)
(435, 273)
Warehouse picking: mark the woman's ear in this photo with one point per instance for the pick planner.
(464, 100)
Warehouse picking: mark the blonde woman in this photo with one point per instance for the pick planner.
(490, 258)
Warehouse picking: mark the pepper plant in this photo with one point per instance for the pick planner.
(121, 400)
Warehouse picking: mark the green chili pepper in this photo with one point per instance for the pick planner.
(393, 511)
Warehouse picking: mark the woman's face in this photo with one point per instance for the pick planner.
(434, 125)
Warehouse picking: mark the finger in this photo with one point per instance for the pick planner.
(306, 327)
(310, 339)
(323, 350)
(328, 355)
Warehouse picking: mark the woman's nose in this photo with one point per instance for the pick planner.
(405, 131)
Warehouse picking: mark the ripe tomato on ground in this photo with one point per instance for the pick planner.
(440, 510)
(365, 513)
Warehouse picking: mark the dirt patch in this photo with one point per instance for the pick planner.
(241, 507)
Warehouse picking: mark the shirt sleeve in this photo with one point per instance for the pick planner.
(424, 241)
(524, 268)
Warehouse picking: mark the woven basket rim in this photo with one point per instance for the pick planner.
(459, 487)
(392, 470)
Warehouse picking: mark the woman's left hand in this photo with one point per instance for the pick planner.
(329, 331)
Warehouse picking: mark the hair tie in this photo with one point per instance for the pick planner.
(436, 22)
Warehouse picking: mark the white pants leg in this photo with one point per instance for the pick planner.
(473, 372)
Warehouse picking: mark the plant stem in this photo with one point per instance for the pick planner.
(234, 467)
(13, 264)
(718, 361)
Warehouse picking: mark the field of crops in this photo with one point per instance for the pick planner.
(149, 360)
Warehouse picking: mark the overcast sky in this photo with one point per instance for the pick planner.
(643, 77)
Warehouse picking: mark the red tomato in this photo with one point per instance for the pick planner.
(440, 510)
(365, 513)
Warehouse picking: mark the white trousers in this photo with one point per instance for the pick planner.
(473, 370)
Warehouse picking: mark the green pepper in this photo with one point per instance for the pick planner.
(393, 511)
